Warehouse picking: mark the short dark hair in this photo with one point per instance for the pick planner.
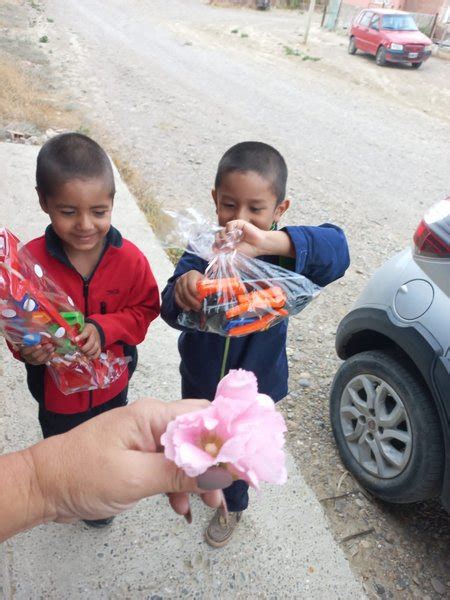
(258, 157)
(71, 156)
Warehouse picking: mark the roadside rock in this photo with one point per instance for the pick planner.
(439, 587)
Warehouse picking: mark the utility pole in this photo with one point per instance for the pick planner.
(312, 6)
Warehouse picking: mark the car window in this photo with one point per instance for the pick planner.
(399, 23)
(375, 22)
(365, 19)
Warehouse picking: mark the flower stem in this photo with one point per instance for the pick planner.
(225, 358)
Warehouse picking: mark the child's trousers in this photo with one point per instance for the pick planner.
(236, 496)
(56, 423)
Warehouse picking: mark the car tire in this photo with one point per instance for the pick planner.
(352, 46)
(380, 58)
(421, 459)
(416, 65)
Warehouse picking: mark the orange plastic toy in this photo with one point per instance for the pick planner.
(230, 286)
(272, 297)
(258, 324)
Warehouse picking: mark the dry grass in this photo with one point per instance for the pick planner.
(160, 222)
(23, 98)
(142, 191)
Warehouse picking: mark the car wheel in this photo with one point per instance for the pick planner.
(352, 46)
(387, 428)
(380, 58)
(416, 65)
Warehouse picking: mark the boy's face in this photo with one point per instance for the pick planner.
(250, 197)
(80, 212)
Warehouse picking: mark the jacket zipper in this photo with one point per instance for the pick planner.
(86, 314)
(86, 283)
(85, 296)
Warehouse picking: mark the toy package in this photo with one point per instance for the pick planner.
(241, 295)
(34, 310)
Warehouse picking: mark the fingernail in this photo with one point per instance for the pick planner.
(188, 516)
(215, 478)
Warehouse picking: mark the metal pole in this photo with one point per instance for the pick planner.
(443, 36)
(312, 5)
(324, 14)
(433, 26)
(338, 14)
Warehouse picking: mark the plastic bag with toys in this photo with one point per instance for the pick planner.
(33, 309)
(239, 295)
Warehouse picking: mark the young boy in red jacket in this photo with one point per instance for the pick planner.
(105, 275)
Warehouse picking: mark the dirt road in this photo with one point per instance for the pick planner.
(169, 86)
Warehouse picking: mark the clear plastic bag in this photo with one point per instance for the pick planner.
(239, 295)
(34, 310)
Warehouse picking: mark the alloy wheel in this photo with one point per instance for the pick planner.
(376, 426)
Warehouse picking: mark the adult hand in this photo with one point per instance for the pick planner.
(109, 463)
(99, 469)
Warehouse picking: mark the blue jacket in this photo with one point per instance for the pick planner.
(321, 254)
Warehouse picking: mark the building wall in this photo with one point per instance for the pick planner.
(424, 6)
(366, 3)
(419, 6)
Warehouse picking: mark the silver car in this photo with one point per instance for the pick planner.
(390, 399)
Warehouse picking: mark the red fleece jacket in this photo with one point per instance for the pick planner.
(120, 298)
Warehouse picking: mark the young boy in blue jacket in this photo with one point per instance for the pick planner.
(249, 194)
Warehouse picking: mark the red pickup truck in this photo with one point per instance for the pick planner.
(391, 36)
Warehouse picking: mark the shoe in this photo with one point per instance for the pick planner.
(99, 523)
(221, 528)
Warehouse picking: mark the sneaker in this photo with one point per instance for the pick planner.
(99, 523)
(221, 528)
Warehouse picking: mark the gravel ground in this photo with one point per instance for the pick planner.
(168, 86)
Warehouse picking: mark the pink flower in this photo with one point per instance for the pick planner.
(241, 431)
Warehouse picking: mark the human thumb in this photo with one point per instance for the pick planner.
(159, 475)
(162, 476)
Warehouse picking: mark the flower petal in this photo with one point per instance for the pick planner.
(238, 385)
(244, 427)
(194, 460)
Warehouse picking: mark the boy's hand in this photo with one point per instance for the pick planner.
(37, 355)
(92, 345)
(252, 239)
(186, 294)
(257, 242)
